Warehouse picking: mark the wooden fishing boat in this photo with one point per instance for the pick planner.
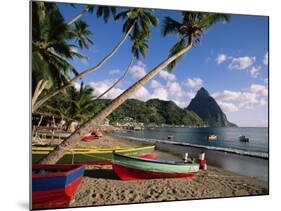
(93, 135)
(52, 134)
(131, 168)
(94, 155)
(49, 148)
(54, 185)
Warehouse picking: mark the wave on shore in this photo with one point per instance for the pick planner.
(263, 155)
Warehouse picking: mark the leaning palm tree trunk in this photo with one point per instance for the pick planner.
(77, 17)
(116, 82)
(40, 86)
(97, 120)
(104, 60)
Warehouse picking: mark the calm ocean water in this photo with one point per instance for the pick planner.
(227, 138)
(189, 139)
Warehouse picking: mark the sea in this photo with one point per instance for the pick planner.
(245, 158)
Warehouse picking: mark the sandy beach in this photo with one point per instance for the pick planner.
(100, 186)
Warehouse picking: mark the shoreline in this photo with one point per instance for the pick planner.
(227, 160)
(100, 186)
(262, 155)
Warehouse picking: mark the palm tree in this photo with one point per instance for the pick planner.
(76, 104)
(51, 48)
(139, 47)
(102, 11)
(82, 33)
(190, 29)
(137, 21)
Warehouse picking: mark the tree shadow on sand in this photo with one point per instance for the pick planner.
(101, 174)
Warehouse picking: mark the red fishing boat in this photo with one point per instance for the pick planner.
(54, 185)
(94, 134)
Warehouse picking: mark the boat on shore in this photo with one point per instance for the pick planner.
(93, 135)
(52, 134)
(94, 155)
(131, 168)
(53, 186)
(60, 134)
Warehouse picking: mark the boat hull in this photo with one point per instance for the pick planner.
(52, 135)
(131, 168)
(55, 190)
(152, 156)
(99, 156)
(126, 173)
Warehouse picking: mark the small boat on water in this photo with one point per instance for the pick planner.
(131, 168)
(243, 138)
(53, 186)
(212, 137)
(170, 137)
(94, 155)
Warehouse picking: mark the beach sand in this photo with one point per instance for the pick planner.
(100, 186)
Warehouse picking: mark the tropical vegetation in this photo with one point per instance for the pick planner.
(54, 44)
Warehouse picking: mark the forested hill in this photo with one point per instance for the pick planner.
(152, 112)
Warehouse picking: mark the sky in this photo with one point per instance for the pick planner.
(231, 62)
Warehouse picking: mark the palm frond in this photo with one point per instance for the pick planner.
(170, 26)
(175, 49)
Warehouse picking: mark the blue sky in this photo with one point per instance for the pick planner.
(230, 62)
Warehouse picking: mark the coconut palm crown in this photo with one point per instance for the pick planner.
(138, 18)
(189, 30)
(52, 46)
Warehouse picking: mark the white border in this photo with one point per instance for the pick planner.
(15, 103)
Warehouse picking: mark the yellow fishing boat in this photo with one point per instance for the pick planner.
(93, 155)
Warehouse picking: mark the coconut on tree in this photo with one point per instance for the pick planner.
(189, 31)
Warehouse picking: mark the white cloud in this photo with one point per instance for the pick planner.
(194, 82)
(242, 63)
(181, 104)
(174, 89)
(142, 94)
(259, 89)
(167, 76)
(235, 100)
(228, 107)
(114, 72)
(138, 70)
(190, 94)
(155, 84)
(160, 93)
(101, 86)
(255, 71)
(221, 58)
(265, 59)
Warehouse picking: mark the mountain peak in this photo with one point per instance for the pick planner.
(202, 92)
(206, 107)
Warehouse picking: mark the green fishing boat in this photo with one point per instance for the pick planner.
(132, 168)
